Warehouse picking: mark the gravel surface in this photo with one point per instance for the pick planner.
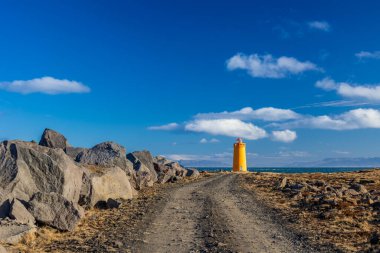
(212, 214)
(216, 215)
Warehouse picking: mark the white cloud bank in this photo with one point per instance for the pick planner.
(348, 90)
(266, 66)
(227, 127)
(47, 85)
(224, 124)
(247, 113)
(320, 25)
(368, 55)
(353, 119)
(284, 136)
(167, 127)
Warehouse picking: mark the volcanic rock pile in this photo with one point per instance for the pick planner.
(52, 183)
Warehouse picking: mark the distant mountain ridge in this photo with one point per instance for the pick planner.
(341, 162)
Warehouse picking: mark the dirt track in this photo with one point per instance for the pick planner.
(215, 215)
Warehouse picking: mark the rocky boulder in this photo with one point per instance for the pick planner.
(193, 173)
(53, 139)
(19, 213)
(74, 152)
(105, 183)
(144, 176)
(165, 174)
(145, 157)
(170, 171)
(359, 188)
(54, 210)
(27, 168)
(12, 232)
(106, 154)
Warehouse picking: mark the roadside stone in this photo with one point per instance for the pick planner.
(54, 210)
(374, 239)
(376, 205)
(296, 186)
(19, 212)
(282, 183)
(359, 188)
(350, 200)
(193, 173)
(320, 183)
(12, 232)
(327, 215)
(145, 157)
(144, 176)
(113, 203)
(27, 168)
(108, 154)
(366, 181)
(351, 192)
(107, 183)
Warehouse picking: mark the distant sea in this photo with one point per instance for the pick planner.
(289, 169)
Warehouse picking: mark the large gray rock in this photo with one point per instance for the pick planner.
(179, 170)
(165, 174)
(170, 171)
(145, 157)
(74, 152)
(192, 173)
(107, 154)
(144, 176)
(54, 210)
(27, 168)
(104, 184)
(12, 232)
(53, 139)
(19, 213)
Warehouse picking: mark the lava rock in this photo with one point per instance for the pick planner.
(19, 212)
(54, 210)
(53, 139)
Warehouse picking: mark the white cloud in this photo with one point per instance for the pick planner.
(368, 55)
(284, 136)
(212, 140)
(167, 127)
(46, 85)
(227, 127)
(358, 91)
(266, 66)
(320, 25)
(353, 119)
(247, 113)
(327, 84)
(203, 140)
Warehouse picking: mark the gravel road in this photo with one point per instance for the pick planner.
(215, 215)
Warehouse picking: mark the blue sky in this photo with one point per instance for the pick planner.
(299, 81)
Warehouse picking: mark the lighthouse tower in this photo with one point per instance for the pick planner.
(240, 161)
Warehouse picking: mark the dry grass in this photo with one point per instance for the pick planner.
(350, 226)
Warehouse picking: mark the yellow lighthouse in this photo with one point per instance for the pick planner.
(240, 161)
